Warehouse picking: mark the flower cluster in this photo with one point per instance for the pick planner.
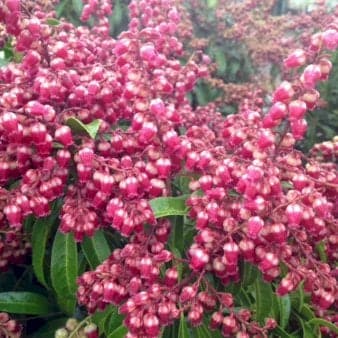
(81, 330)
(9, 327)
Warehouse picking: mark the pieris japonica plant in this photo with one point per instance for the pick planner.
(141, 216)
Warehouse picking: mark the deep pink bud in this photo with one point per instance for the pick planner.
(171, 277)
(216, 320)
(148, 52)
(231, 252)
(294, 213)
(284, 92)
(266, 138)
(311, 75)
(64, 135)
(163, 166)
(278, 111)
(198, 258)
(86, 156)
(147, 132)
(298, 128)
(14, 215)
(296, 59)
(9, 122)
(188, 293)
(151, 325)
(330, 39)
(269, 261)
(297, 109)
(38, 132)
(229, 325)
(157, 107)
(255, 225)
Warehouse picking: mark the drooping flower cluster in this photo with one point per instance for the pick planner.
(9, 327)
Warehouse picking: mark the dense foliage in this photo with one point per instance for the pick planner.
(156, 176)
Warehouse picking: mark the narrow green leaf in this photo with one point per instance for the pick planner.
(77, 5)
(284, 310)
(177, 235)
(220, 61)
(113, 322)
(52, 22)
(320, 247)
(322, 322)
(169, 206)
(67, 304)
(243, 297)
(24, 303)
(95, 249)
(212, 3)
(183, 328)
(275, 310)
(60, 8)
(263, 296)
(100, 317)
(249, 274)
(117, 15)
(41, 230)
(308, 331)
(202, 331)
(64, 266)
(90, 129)
(307, 312)
(297, 298)
(120, 332)
(281, 333)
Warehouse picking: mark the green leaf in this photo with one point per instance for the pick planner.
(249, 274)
(91, 129)
(263, 296)
(52, 22)
(220, 61)
(60, 8)
(78, 6)
(120, 332)
(284, 310)
(64, 267)
(24, 302)
(3, 62)
(67, 304)
(41, 230)
(306, 312)
(113, 322)
(322, 322)
(281, 333)
(169, 206)
(212, 3)
(308, 331)
(177, 235)
(297, 298)
(202, 331)
(48, 330)
(320, 247)
(95, 249)
(183, 328)
(100, 317)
